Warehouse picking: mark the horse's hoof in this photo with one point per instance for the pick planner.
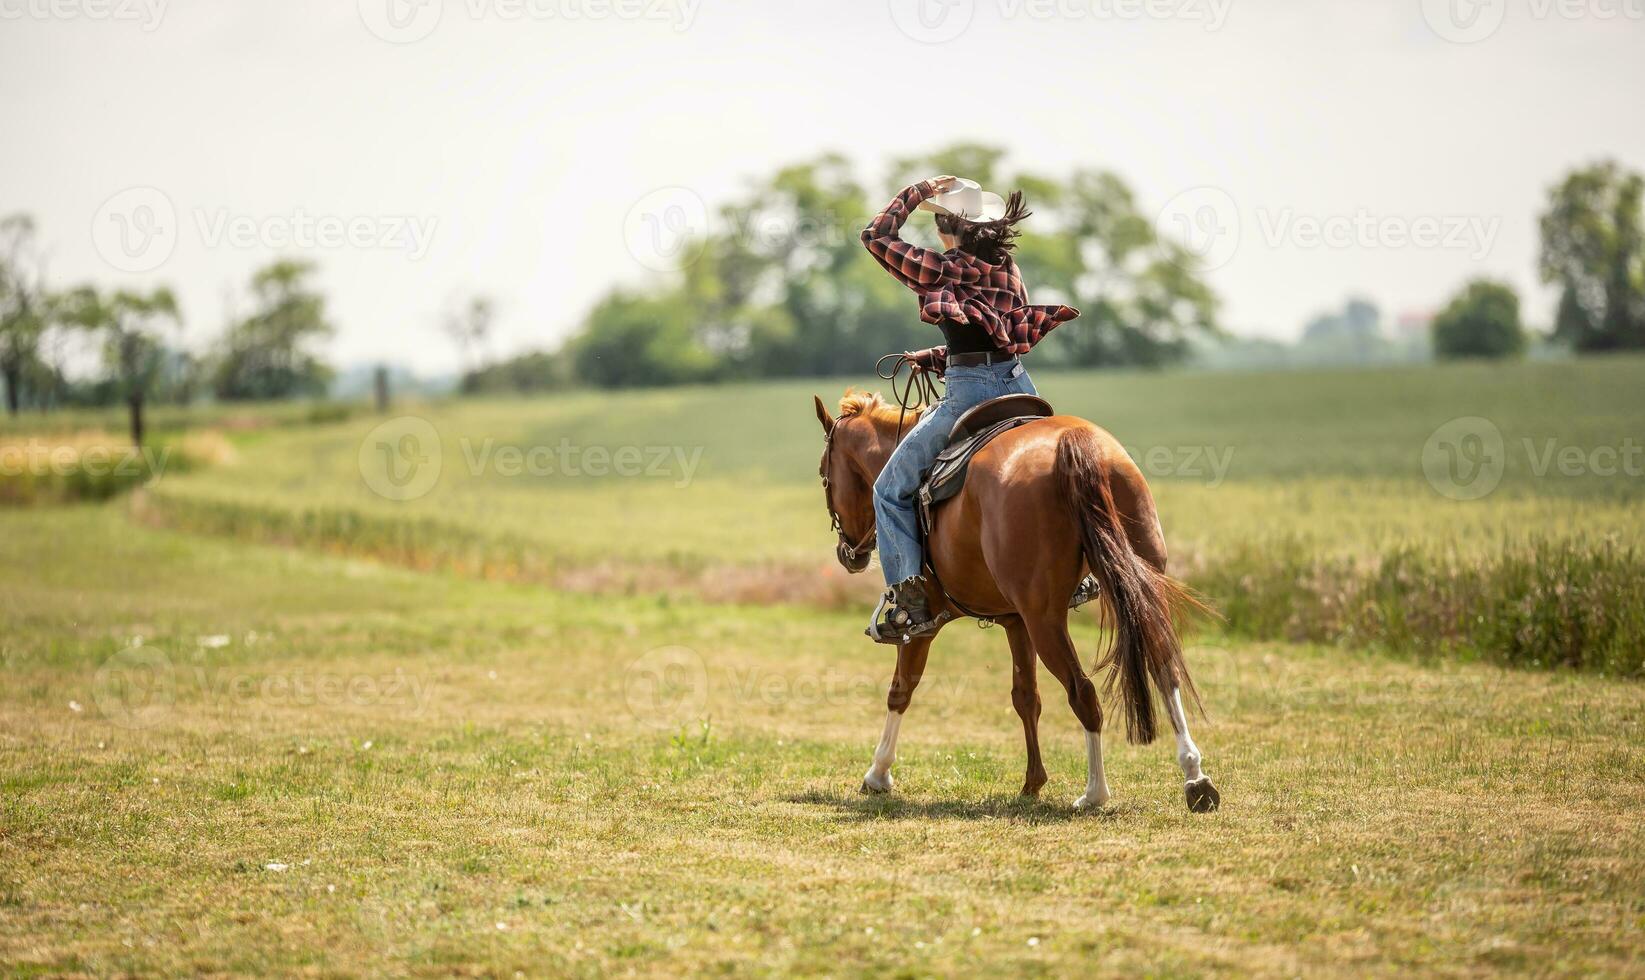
(873, 787)
(1202, 796)
(1091, 801)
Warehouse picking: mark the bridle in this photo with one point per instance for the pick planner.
(919, 390)
(849, 550)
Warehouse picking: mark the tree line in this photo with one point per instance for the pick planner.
(748, 305)
(265, 354)
(781, 286)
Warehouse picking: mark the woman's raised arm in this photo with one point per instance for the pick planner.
(917, 268)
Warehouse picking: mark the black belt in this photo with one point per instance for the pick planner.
(980, 360)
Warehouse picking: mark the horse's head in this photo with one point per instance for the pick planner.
(848, 489)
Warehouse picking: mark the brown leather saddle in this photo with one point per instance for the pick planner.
(974, 430)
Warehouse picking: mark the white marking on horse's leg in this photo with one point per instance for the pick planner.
(878, 779)
(1096, 782)
(1188, 756)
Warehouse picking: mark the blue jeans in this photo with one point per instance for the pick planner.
(894, 490)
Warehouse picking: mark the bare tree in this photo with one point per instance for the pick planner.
(469, 326)
(22, 304)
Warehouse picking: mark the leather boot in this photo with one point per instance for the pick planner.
(907, 615)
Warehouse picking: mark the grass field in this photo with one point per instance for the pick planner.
(312, 763)
(1308, 506)
(553, 722)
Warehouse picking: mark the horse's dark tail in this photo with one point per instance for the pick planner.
(1143, 604)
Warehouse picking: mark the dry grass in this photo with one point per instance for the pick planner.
(1380, 817)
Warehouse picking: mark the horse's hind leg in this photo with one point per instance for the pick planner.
(1202, 796)
(1049, 635)
(1025, 697)
(1143, 529)
(910, 666)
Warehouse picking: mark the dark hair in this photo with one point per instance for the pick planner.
(991, 241)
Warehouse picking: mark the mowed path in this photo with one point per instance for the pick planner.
(316, 764)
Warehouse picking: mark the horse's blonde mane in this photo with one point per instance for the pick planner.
(872, 406)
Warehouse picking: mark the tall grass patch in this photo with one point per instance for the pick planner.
(96, 465)
(1577, 603)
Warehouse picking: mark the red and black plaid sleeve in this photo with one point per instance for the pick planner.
(919, 269)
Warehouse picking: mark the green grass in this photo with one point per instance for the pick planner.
(430, 756)
(1292, 499)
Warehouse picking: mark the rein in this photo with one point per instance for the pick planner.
(918, 391)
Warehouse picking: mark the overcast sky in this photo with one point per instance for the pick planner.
(541, 151)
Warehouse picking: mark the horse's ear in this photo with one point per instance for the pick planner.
(823, 416)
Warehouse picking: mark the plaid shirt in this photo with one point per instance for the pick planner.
(958, 286)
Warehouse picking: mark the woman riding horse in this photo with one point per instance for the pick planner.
(973, 294)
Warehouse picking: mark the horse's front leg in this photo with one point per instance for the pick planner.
(1025, 697)
(910, 666)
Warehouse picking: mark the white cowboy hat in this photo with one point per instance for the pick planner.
(966, 199)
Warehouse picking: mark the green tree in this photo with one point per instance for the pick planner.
(638, 340)
(782, 285)
(1481, 321)
(131, 325)
(1593, 248)
(266, 355)
(22, 307)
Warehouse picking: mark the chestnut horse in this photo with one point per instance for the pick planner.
(1042, 503)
